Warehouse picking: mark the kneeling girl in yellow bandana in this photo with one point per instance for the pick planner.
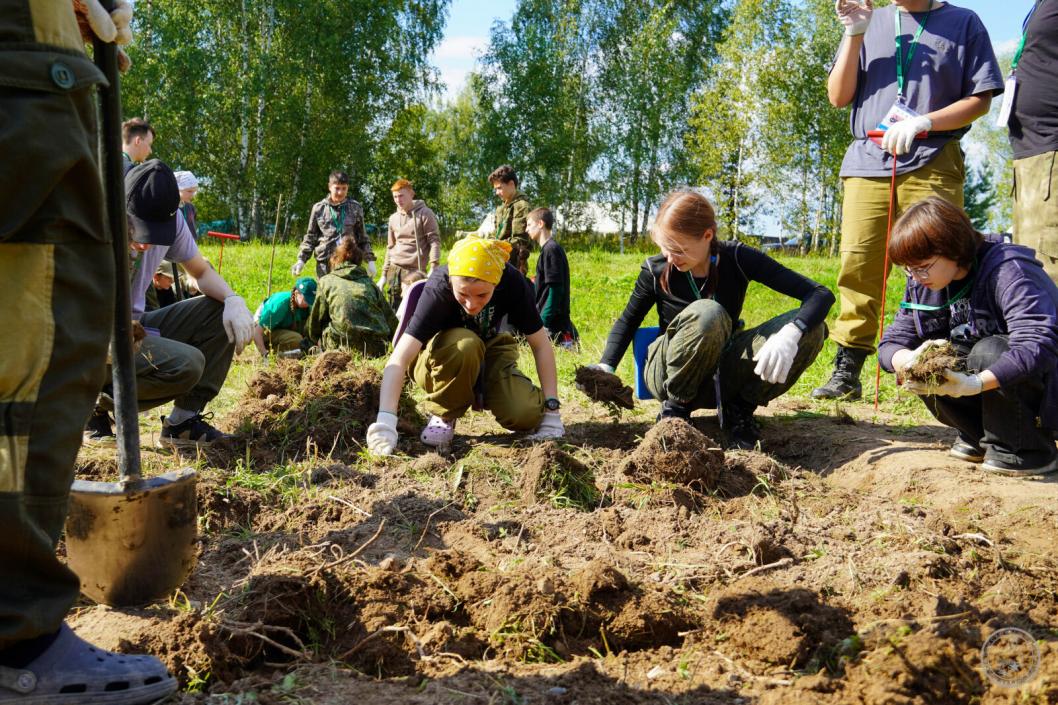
(454, 346)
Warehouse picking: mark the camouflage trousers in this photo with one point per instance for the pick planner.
(699, 344)
(1036, 207)
(397, 280)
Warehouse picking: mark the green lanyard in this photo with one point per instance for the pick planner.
(961, 294)
(713, 259)
(901, 66)
(338, 217)
(1024, 36)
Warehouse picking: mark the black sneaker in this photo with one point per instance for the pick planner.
(193, 434)
(743, 431)
(844, 383)
(674, 410)
(966, 451)
(999, 467)
(99, 428)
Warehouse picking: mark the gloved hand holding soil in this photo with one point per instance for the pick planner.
(604, 387)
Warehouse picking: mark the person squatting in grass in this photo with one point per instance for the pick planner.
(998, 307)
(413, 246)
(57, 282)
(280, 320)
(190, 345)
(698, 284)
(331, 219)
(458, 355)
(552, 280)
(914, 66)
(510, 216)
(350, 312)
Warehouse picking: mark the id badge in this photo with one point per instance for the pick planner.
(1010, 87)
(898, 112)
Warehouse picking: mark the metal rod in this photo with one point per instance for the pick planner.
(112, 172)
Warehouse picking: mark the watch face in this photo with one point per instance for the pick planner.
(552, 404)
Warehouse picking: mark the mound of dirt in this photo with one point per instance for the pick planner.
(604, 387)
(326, 410)
(553, 475)
(930, 366)
(673, 451)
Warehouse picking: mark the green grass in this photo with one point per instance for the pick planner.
(601, 283)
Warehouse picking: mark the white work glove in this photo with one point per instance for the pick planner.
(550, 427)
(238, 322)
(382, 435)
(854, 16)
(777, 354)
(296, 269)
(906, 361)
(110, 26)
(372, 270)
(955, 384)
(602, 366)
(381, 283)
(899, 137)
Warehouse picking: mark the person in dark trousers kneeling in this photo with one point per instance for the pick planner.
(703, 358)
(996, 305)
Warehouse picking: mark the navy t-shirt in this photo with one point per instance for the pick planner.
(438, 310)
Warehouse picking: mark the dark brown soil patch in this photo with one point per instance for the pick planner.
(604, 387)
(553, 475)
(930, 366)
(674, 451)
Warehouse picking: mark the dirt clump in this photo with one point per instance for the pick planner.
(429, 464)
(930, 366)
(676, 452)
(605, 387)
(552, 475)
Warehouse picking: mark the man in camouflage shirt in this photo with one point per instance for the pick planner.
(330, 219)
(511, 215)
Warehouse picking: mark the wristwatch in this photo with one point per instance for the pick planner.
(552, 404)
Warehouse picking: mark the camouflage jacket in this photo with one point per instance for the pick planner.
(350, 312)
(323, 234)
(511, 219)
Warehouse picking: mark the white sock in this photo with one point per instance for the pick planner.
(177, 416)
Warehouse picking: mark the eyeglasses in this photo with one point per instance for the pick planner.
(920, 272)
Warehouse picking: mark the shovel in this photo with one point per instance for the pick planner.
(133, 541)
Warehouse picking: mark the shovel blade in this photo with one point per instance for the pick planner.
(132, 542)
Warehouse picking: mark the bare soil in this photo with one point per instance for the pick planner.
(852, 562)
(931, 364)
(604, 387)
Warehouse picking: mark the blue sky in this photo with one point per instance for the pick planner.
(467, 31)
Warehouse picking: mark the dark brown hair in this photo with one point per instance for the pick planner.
(347, 251)
(503, 174)
(133, 128)
(338, 177)
(545, 215)
(934, 227)
(686, 214)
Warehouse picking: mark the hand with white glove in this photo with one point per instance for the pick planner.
(238, 322)
(550, 427)
(955, 384)
(381, 283)
(777, 355)
(296, 269)
(900, 136)
(601, 366)
(382, 435)
(110, 26)
(903, 359)
(372, 269)
(854, 16)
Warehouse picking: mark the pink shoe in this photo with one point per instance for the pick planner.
(438, 432)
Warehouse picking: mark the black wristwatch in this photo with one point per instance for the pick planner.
(552, 404)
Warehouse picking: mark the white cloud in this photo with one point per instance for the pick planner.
(466, 48)
(1006, 47)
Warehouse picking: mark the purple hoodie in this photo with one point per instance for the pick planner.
(1011, 295)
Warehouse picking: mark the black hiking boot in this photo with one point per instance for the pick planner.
(99, 428)
(845, 382)
(674, 410)
(195, 433)
(743, 431)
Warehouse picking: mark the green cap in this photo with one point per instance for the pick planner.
(307, 287)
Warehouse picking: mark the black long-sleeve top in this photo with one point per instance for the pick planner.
(736, 266)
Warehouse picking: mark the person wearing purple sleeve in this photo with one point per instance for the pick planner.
(913, 67)
(996, 305)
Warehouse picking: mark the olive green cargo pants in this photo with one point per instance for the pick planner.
(698, 344)
(864, 217)
(1036, 207)
(56, 284)
(448, 368)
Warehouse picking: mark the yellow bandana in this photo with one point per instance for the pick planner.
(480, 258)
